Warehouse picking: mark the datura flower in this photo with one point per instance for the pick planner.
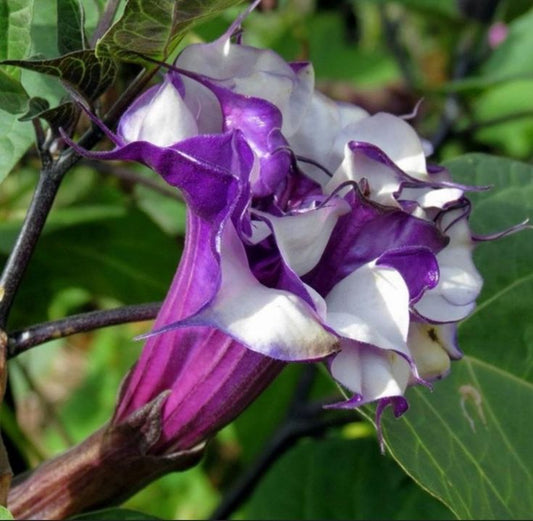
(316, 232)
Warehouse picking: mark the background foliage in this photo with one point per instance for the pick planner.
(115, 234)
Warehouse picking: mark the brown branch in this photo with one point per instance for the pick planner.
(24, 339)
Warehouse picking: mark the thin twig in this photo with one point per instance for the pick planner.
(32, 227)
(24, 339)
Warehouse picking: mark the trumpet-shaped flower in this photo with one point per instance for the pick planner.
(315, 232)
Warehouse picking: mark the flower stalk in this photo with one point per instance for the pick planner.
(105, 469)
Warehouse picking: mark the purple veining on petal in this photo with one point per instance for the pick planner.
(407, 181)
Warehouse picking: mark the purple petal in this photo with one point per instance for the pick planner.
(418, 267)
(364, 235)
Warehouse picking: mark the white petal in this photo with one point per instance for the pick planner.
(434, 306)
(302, 238)
(260, 231)
(370, 373)
(273, 322)
(315, 138)
(396, 138)
(350, 114)
(163, 119)
(371, 305)
(460, 282)
(382, 180)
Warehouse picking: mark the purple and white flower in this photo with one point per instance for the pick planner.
(315, 232)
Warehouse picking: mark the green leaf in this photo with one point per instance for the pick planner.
(121, 514)
(13, 96)
(15, 43)
(70, 30)
(15, 138)
(154, 29)
(340, 479)
(15, 27)
(468, 442)
(5, 513)
(81, 70)
(35, 107)
(62, 116)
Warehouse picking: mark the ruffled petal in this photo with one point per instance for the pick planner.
(362, 161)
(396, 138)
(302, 238)
(253, 72)
(460, 282)
(260, 123)
(418, 266)
(366, 233)
(371, 305)
(370, 373)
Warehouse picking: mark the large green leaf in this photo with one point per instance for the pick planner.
(468, 442)
(15, 42)
(70, 30)
(15, 28)
(13, 96)
(340, 479)
(154, 29)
